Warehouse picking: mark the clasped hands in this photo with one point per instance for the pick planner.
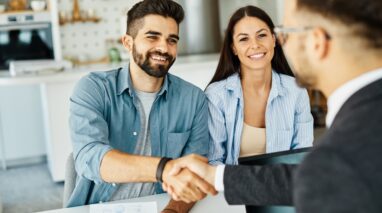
(189, 178)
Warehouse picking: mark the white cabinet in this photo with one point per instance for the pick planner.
(22, 131)
(55, 100)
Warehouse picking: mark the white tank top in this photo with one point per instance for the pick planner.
(253, 141)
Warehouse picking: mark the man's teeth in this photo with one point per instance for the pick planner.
(257, 56)
(158, 58)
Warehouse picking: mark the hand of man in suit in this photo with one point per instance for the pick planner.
(200, 174)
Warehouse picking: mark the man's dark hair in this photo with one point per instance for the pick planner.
(365, 16)
(165, 8)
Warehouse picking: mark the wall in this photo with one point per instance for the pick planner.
(228, 7)
(87, 41)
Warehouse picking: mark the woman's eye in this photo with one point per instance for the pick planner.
(243, 39)
(263, 35)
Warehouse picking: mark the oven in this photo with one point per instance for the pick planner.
(25, 36)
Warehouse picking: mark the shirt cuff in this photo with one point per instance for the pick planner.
(219, 175)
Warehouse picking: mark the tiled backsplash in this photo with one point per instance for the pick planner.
(87, 41)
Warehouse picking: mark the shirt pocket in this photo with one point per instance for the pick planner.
(283, 140)
(176, 143)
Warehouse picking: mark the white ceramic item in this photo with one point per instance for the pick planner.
(38, 5)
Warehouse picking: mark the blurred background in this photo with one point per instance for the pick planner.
(66, 39)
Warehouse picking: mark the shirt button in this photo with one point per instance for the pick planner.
(113, 184)
(134, 133)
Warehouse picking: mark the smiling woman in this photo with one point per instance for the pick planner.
(255, 105)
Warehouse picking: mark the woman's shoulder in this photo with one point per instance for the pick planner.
(289, 83)
(222, 86)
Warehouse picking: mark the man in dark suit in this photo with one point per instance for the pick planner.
(335, 46)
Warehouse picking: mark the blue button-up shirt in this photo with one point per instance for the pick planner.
(288, 121)
(104, 116)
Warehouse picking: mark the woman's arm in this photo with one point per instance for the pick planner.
(303, 122)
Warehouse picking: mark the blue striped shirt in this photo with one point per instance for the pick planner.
(288, 121)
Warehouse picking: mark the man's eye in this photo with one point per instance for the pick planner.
(152, 37)
(172, 41)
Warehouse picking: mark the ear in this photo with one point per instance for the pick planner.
(127, 42)
(321, 43)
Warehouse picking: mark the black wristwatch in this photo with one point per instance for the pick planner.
(162, 163)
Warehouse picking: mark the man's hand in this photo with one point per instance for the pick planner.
(198, 165)
(182, 184)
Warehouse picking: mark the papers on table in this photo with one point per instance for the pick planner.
(144, 207)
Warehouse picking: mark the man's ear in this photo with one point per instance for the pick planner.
(127, 42)
(321, 43)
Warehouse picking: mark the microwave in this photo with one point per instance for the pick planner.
(25, 36)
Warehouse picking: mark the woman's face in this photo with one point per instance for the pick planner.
(253, 43)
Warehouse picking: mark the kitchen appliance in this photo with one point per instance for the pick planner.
(199, 32)
(25, 36)
(38, 67)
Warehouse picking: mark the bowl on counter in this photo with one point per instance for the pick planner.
(38, 5)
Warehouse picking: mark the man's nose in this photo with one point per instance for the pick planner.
(162, 46)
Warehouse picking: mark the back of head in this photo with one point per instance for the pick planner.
(362, 18)
(165, 8)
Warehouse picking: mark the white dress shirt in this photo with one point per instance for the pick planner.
(343, 93)
(335, 102)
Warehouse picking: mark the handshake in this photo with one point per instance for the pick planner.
(189, 178)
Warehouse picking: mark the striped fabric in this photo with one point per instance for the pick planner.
(289, 123)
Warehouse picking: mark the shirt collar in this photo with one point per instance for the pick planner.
(124, 82)
(234, 85)
(337, 99)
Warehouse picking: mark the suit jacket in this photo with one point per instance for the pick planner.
(343, 172)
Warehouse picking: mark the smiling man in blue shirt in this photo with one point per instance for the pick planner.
(123, 121)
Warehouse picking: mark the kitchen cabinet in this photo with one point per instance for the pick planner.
(22, 131)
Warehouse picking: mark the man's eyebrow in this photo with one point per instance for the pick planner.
(151, 32)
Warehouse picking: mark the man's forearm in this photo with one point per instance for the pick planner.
(178, 207)
(119, 167)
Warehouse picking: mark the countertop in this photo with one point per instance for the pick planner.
(181, 63)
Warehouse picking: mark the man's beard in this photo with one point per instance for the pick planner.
(303, 70)
(157, 71)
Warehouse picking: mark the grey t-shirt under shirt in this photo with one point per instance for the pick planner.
(143, 147)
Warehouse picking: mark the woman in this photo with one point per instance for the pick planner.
(254, 103)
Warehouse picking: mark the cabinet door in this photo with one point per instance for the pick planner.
(55, 99)
(21, 122)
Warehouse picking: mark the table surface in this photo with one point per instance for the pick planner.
(208, 205)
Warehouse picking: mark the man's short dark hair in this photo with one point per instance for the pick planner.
(165, 8)
(365, 16)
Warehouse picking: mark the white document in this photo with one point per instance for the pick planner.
(143, 207)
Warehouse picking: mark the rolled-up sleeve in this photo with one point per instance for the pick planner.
(88, 127)
(303, 125)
